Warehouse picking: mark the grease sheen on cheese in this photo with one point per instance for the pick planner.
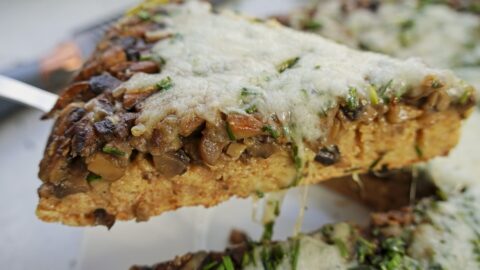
(212, 57)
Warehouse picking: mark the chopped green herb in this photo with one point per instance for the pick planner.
(245, 92)
(465, 96)
(251, 109)
(268, 231)
(317, 67)
(372, 92)
(113, 151)
(146, 57)
(260, 194)
(407, 25)
(394, 244)
(93, 177)
(364, 249)
(419, 151)
(352, 99)
(441, 195)
(375, 163)
(342, 247)
(272, 257)
(165, 84)
(295, 254)
(287, 64)
(210, 266)
(228, 263)
(327, 231)
(245, 259)
(296, 158)
(476, 248)
(436, 84)
(144, 15)
(276, 211)
(383, 89)
(312, 25)
(270, 130)
(230, 134)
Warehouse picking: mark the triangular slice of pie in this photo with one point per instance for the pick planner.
(182, 106)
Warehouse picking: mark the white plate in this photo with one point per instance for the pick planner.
(197, 228)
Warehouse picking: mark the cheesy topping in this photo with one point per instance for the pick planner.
(225, 63)
(440, 35)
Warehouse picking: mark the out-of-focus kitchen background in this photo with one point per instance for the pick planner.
(31, 32)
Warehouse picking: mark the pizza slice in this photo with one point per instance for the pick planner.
(434, 234)
(182, 106)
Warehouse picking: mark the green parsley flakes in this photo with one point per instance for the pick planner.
(113, 151)
(287, 64)
(165, 84)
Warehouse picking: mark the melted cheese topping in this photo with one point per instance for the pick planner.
(441, 36)
(451, 238)
(212, 57)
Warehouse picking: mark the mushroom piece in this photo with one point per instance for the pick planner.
(171, 164)
(107, 166)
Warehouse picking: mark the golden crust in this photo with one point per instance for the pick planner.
(142, 192)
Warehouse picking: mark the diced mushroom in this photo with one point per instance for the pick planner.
(328, 155)
(165, 137)
(84, 139)
(263, 150)
(234, 150)
(107, 166)
(113, 56)
(171, 164)
(103, 82)
(188, 124)
(244, 126)
(212, 143)
(144, 66)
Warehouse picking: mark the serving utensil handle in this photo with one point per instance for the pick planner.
(26, 94)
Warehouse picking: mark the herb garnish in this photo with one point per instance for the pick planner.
(270, 130)
(287, 64)
(383, 89)
(419, 151)
(312, 25)
(227, 263)
(364, 249)
(251, 109)
(465, 96)
(272, 257)
(372, 92)
(93, 177)
(144, 15)
(210, 265)
(165, 84)
(268, 231)
(259, 194)
(113, 151)
(352, 99)
(295, 254)
(476, 248)
(342, 247)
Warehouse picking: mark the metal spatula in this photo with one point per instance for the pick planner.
(26, 94)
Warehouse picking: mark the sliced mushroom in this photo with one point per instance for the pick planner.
(212, 143)
(263, 150)
(144, 66)
(328, 155)
(109, 167)
(165, 137)
(113, 56)
(171, 164)
(103, 82)
(244, 126)
(234, 150)
(189, 123)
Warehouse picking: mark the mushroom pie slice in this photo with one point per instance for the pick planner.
(182, 106)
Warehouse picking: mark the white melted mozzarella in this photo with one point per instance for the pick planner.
(452, 238)
(441, 36)
(212, 57)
